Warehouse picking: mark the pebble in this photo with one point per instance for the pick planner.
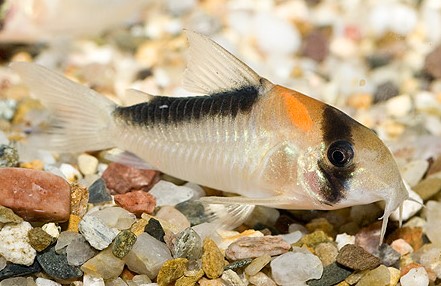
(296, 267)
(410, 208)
(232, 278)
(115, 217)
(344, 239)
(174, 217)
(73, 223)
(96, 232)
(79, 251)
(379, 276)
(320, 224)
(401, 246)
(89, 280)
(46, 282)
(428, 187)
(14, 270)
(187, 244)
(257, 264)
(18, 281)
(87, 164)
(263, 215)
(190, 278)
(386, 91)
(141, 279)
(395, 275)
(387, 255)
(121, 179)
(332, 274)
(355, 257)
(123, 243)
(35, 195)
(98, 192)
(52, 229)
(14, 244)
(316, 46)
(8, 156)
(432, 62)
(56, 265)
(104, 265)
(252, 247)
(261, 279)
(292, 237)
(136, 202)
(415, 277)
(212, 259)
(154, 228)
(79, 199)
(369, 237)
(433, 231)
(171, 271)
(147, 255)
(414, 171)
(65, 238)
(168, 194)
(8, 216)
(39, 239)
(327, 252)
(194, 211)
(412, 235)
(238, 264)
(3, 263)
(314, 239)
(70, 172)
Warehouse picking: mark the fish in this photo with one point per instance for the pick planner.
(270, 145)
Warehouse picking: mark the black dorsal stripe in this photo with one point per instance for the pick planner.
(174, 110)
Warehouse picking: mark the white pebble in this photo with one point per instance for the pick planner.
(46, 282)
(87, 164)
(409, 207)
(296, 267)
(399, 106)
(292, 237)
(169, 194)
(52, 229)
(14, 244)
(115, 217)
(96, 232)
(343, 239)
(413, 171)
(415, 277)
(70, 173)
(92, 281)
(433, 213)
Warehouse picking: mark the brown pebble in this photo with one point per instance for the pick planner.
(79, 199)
(432, 63)
(252, 247)
(369, 237)
(35, 195)
(212, 259)
(412, 235)
(39, 239)
(355, 257)
(8, 216)
(171, 271)
(316, 46)
(121, 179)
(136, 202)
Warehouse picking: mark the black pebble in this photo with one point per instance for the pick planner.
(56, 266)
(332, 274)
(16, 270)
(155, 229)
(98, 192)
(194, 211)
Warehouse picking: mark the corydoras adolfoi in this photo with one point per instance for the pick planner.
(269, 144)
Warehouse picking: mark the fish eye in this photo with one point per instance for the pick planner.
(340, 153)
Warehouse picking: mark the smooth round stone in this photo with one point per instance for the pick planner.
(57, 266)
(70, 172)
(104, 265)
(123, 243)
(87, 164)
(415, 277)
(413, 171)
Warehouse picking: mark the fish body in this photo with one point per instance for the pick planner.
(269, 144)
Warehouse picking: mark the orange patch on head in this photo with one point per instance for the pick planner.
(297, 112)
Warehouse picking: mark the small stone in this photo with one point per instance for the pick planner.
(210, 282)
(115, 217)
(263, 216)
(193, 210)
(46, 282)
(8, 156)
(56, 265)
(316, 46)
(98, 192)
(387, 255)
(257, 264)
(121, 179)
(360, 100)
(87, 164)
(35, 195)
(413, 171)
(141, 279)
(154, 228)
(379, 276)
(292, 237)
(327, 252)
(168, 194)
(355, 257)
(238, 264)
(3, 263)
(8, 216)
(314, 239)
(147, 255)
(296, 267)
(410, 207)
(401, 246)
(369, 237)
(171, 271)
(18, 281)
(65, 238)
(415, 277)
(39, 239)
(433, 231)
(261, 279)
(188, 244)
(395, 275)
(137, 202)
(412, 235)
(173, 217)
(70, 172)
(14, 270)
(252, 247)
(89, 280)
(190, 278)
(79, 199)
(332, 274)
(232, 278)
(378, 60)
(104, 265)
(320, 224)
(432, 63)
(124, 242)
(343, 239)
(96, 232)
(79, 251)
(119, 282)
(73, 223)
(138, 227)
(52, 229)
(385, 92)
(14, 244)
(212, 259)
(428, 187)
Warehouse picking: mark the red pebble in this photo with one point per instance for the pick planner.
(136, 202)
(121, 179)
(35, 195)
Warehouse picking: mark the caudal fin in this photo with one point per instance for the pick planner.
(82, 118)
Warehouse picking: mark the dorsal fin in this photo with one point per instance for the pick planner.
(212, 69)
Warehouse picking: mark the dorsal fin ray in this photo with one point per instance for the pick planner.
(212, 69)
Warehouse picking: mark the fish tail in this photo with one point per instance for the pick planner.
(81, 118)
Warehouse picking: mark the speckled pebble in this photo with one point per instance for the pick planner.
(190, 278)
(238, 264)
(212, 259)
(332, 274)
(79, 198)
(136, 202)
(355, 257)
(387, 255)
(39, 239)
(193, 210)
(187, 244)
(123, 243)
(56, 265)
(8, 216)
(379, 276)
(252, 247)
(232, 278)
(96, 232)
(14, 244)
(314, 239)
(171, 271)
(14, 270)
(327, 252)
(8, 156)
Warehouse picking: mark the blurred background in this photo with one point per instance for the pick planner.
(379, 61)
